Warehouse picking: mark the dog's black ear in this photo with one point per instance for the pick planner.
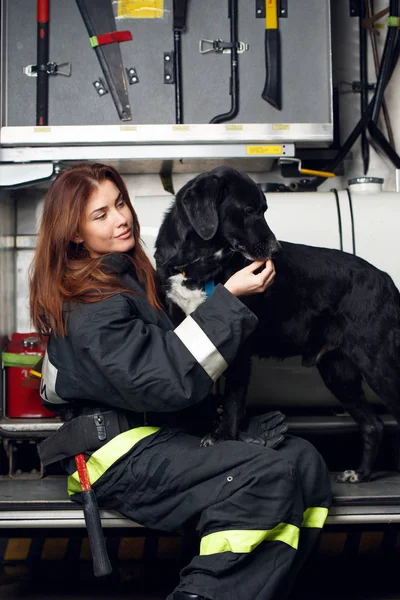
(199, 201)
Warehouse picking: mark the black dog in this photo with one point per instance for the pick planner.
(332, 308)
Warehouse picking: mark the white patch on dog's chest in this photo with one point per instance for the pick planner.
(188, 300)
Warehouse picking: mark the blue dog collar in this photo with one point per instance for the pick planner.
(209, 287)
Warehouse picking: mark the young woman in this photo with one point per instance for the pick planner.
(125, 380)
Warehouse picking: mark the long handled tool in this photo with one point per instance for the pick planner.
(42, 82)
(234, 47)
(390, 58)
(272, 92)
(369, 23)
(363, 82)
(44, 68)
(101, 563)
(179, 26)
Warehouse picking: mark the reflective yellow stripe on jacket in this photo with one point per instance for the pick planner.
(107, 455)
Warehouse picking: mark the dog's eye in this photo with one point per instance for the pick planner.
(250, 210)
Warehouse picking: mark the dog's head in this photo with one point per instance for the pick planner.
(221, 209)
(227, 206)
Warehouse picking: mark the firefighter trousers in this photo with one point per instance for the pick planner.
(258, 511)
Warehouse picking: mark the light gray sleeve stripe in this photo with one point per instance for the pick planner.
(48, 383)
(201, 347)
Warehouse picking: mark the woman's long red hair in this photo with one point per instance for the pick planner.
(62, 271)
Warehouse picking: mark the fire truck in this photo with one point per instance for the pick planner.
(164, 113)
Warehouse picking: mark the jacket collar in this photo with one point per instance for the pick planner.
(118, 263)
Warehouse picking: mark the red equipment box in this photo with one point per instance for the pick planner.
(23, 352)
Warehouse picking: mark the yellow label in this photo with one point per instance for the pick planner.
(271, 14)
(263, 150)
(42, 129)
(17, 549)
(234, 127)
(280, 127)
(140, 9)
(127, 128)
(180, 127)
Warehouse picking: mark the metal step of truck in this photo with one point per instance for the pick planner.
(301, 424)
(45, 503)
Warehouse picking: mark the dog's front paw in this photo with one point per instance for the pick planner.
(351, 476)
(212, 438)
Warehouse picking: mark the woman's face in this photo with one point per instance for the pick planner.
(107, 224)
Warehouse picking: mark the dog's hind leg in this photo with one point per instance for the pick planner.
(384, 380)
(343, 378)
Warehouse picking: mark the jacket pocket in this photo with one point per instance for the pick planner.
(157, 476)
(146, 475)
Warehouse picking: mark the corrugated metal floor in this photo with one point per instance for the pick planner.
(46, 594)
(368, 578)
(349, 563)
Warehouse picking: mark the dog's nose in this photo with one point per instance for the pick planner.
(274, 249)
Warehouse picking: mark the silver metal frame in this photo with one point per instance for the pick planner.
(19, 519)
(297, 425)
(58, 518)
(13, 427)
(224, 133)
(143, 151)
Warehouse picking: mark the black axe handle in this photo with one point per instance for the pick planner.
(101, 562)
(42, 81)
(272, 92)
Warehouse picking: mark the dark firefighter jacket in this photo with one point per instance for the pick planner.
(121, 353)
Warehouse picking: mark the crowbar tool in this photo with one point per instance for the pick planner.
(307, 171)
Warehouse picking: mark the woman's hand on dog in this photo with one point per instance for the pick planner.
(246, 282)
